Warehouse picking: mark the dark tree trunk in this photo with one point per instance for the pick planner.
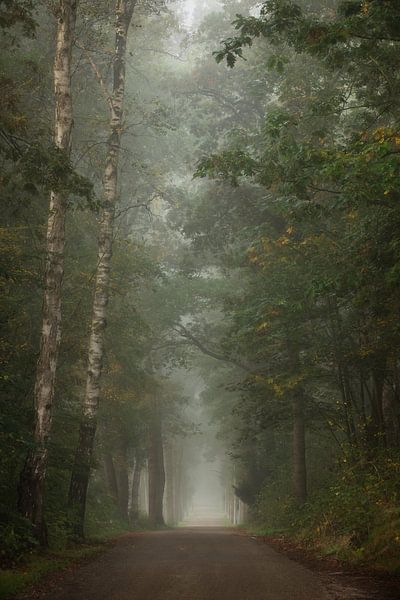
(137, 472)
(392, 433)
(299, 449)
(377, 406)
(156, 471)
(299, 430)
(170, 468)
(179, 496)
(80, 475)
(123, 479)
(111, 477)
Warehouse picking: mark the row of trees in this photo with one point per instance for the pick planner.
(101, 252)
(273, 273)
(301, 216)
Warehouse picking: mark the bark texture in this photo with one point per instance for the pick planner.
(392, 429)
(123, 478)
(156, 471)
(111, 476)
(32, 480)
(137, 472)
(180, 497)
(170, 490)
(299, 429)
(83, 457)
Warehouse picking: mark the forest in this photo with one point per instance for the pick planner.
(200, 274)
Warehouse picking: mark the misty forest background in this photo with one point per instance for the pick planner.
(255, 238)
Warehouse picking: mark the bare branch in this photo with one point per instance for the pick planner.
(165, 52)
(99, 77)
(132, 206)
(181, 329)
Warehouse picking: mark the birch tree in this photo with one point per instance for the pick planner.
(32, 480)
(83, 456)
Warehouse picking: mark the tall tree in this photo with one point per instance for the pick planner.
(83, 456)
(156, 467)
(31, 487)
(137, 472)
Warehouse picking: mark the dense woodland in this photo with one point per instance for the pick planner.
(200, 206)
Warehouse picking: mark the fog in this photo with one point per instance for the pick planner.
(192, 12)
(199, 280)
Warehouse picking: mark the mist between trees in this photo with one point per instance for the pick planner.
(200, 270)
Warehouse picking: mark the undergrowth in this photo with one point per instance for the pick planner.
(23, 563)
(37, 565)
(355, 518)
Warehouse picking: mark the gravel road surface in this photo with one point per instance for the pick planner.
(191, 564)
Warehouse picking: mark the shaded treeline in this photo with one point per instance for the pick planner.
(102, 161)
(302, 218)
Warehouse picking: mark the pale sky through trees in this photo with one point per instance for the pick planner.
(194, 10)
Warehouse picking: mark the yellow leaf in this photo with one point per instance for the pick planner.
(283, 241)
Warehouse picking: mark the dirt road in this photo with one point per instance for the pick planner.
(191, 564)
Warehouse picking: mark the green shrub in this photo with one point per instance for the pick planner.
(16, 536)
(356, 517)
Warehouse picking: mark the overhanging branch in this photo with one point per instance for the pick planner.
(185, 333)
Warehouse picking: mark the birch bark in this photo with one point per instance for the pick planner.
(32, 480)
(83, 456)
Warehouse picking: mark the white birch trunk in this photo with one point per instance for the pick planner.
(34, 472)
(83, 456)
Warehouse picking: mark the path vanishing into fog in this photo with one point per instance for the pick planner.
(190, 563)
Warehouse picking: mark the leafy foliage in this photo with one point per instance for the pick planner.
(317, 256)
(273, 274)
